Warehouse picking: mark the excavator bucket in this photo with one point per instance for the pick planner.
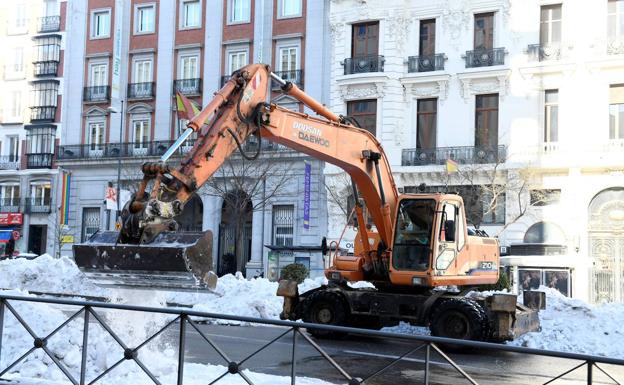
(173, 260)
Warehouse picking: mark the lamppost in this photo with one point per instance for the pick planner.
(113, 110)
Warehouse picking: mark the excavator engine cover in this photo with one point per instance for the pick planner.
(173, 260)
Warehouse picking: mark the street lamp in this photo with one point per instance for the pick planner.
(113, 110)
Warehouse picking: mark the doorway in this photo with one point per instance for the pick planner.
(37, 237)
(235, 233)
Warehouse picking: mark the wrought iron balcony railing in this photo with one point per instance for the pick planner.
(294, 76)
(188, 86)
(96, 94)
(49, 24)
(45, 68)
(426, 63)
(39, 160)
(615, 45)
(37, 205)
(9, 162)
(10, 205)
(115, 150)
(461, 155)
(224, 79)
(363, 64)
(141, 90)
(540, 52)
(485, 57)
(42, 113)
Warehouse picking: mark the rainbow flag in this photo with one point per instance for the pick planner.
(64, 211)
(451, 166)
(186, 108)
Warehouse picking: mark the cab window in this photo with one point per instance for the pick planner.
(412, 241)
(448, 225)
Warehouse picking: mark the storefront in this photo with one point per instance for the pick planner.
(11, 240)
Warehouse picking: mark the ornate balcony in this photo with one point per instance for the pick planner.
(461, 155)
(426, 63)
(96, 94)
(39, 160)
(48, 24)
(539, 52)
(9, 162)
(45, 68)
(188, 86)
(10, 205)
(141, 90)
(37, 205)
(485, 57)
(42, 113)
(294, 76)
(115, 150)
(363, 64)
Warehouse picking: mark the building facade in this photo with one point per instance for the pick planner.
(32, 35)
(524, 101)
(127, 60)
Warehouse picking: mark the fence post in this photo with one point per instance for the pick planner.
(85, 342)
(293, 366)
(1, 325)
(427, 352)
(590, 367)
(182, 347)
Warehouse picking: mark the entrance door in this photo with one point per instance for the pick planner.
(235, 233)
(606, 246)
(37, 239)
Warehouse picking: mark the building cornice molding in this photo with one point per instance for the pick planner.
(481, 82)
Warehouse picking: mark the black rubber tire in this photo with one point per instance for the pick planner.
(325, 307)
(460, 318)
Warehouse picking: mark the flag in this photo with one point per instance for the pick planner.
(64, 211)
(451, 166)
(186, 109)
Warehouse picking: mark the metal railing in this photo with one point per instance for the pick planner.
(9, 162)
(48, 24)
(96, 94)
(37, 205)
(615, 45)
(462, 155)
(188, 86)
(45, 68)
(293, 330)
(141, 90)
(39, 160)
(540, 52)
(485, 57)
(426, 63)
(115, 150)
(294, 76)
(42, 113)
(363, 64)
(10, 205)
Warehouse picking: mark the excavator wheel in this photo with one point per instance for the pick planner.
(459, 318)
(325, 307)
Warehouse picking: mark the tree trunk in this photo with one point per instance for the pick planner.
(240, 245)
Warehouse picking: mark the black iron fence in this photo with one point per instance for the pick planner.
(541, 52)
(39, 160)
(188, 86)
(34, 205)
(462, 155)
(42, 113)
(9, 162)
(426, 63)
(115, 150)
(184, 320)
(96, 94)
(141, 90)
(10, 205)
(363, 64)
(294, 76)
(485, 57)
(48, 24)
(46, 68)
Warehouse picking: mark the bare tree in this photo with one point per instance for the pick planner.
(340, 193)
(59, 231)
(245, 187)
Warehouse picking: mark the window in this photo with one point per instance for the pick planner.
(426, 44)
(191, 14)
(14, 148)
(40, 140)
(236, 60)
(287, 59)
(412, 240)
(144, 18)
(239, 11)
(15, 109)
(615, 15)
(550, 25)
(283, 225)
(18, 19)
(10, 194)
(289, 8)
(365, 40)
(188, 67)
(48, 48)
(492, 207)
(100, 24)
(45, 93)
(96, 136)
(484, 31)
(90, 222)
(18, 60)
(486, 121)
(143, 71)
(99, 75)
(545, 197)
(141, 131)
(40, 193)
(551, 116)
(426, 123)
(616, 112)
(365, 112)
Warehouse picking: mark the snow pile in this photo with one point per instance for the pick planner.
(48, 274)
(574, 326)
(103, 352)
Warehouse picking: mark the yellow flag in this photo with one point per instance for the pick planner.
(451, 166)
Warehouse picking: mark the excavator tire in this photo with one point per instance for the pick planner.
(325, 307)
(459, 318)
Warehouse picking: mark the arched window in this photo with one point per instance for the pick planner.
(545, 233)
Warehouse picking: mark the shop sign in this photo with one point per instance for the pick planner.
(8, 219)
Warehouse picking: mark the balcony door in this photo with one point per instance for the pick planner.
(141, 131)
(288, 63)
(484, 31)
(188, 67)
(365, 40)
(486, 121)
(98, 81)
(14, 149)
(426, 44)
(96, 139)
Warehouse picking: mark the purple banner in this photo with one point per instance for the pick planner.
(306, 196)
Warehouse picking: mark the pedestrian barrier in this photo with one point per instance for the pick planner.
(183, 318)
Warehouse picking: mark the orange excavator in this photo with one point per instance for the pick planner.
(415, 248)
